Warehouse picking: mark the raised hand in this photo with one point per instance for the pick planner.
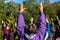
(21, 8)
(47, 20)
(41, 7)
(31, 20)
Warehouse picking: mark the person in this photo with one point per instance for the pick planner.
(47, 29)
(3, 25)
(57, 32)
(52, 30)
(56, 22)
(33, 32)
(6, 34)
(11, 34)
(31, 20)
(58, 38)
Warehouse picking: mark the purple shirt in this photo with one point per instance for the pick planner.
(41, 25)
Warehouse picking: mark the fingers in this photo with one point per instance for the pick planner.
(22, 8)
(21, 5)
(41, 7)
(41, 4)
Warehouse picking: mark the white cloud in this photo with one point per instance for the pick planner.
(8, 1)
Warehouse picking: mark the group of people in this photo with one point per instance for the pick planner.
(7, 32)
(52, 31)
(42, 30)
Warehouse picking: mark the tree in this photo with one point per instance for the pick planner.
(49, 10)
(46, 2)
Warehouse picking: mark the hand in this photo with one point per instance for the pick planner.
(57, 18)
(21, 8)
(47, 20)
(2, 21)
(41, 7)
(31, 19)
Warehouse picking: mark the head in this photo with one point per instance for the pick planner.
(11, 29)
(4, 24)
(57, 18)
(7, 28)
(32, 28)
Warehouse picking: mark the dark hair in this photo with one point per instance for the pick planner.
(11, 28)
(33, 25)
(34, 31)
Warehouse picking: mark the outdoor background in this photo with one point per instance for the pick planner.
(10, 8)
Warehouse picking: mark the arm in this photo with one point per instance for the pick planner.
(20, 22)
(48, 27)
(41, 23)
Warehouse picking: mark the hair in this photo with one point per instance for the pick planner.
(33, 25)
(34, 31)
(11, 27)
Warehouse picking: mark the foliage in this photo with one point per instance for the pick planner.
(31, 10)
(9, 11)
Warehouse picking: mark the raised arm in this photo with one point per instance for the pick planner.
(48, 25)
(41, 23)
(20, 22)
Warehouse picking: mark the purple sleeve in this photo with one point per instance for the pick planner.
(20, 24)
(41, 25)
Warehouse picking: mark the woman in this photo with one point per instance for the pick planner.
(47, 30)
(52, 31)
(6, 33)
(34, 32)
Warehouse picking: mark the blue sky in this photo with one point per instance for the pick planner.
(52, 1)
(21, 1)
(18, 1)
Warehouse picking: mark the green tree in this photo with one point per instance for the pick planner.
(46, 2)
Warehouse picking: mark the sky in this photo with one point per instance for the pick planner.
(52, 1)
(21, 1)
